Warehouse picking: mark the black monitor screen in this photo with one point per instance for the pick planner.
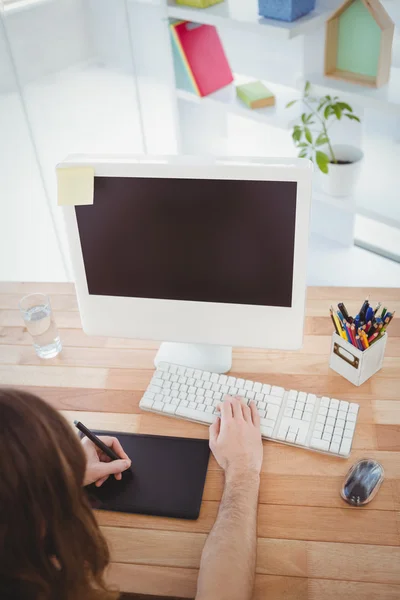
(183, 239)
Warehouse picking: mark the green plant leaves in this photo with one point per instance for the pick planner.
(296, 135)
(303, 153)
(307, 88)
(321, 139)
(344, 106)
(322, 161)
(289, 104)
(337, 110)
(353, 117)
(308, 135)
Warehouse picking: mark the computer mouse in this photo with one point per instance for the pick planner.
(362, 482)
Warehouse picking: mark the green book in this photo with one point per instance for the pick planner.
(198, 3)
(255, 94)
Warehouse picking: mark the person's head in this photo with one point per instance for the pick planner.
(48, 534)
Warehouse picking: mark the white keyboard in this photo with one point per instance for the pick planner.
(290, 417)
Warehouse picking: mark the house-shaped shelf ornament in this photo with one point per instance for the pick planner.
(358, 45)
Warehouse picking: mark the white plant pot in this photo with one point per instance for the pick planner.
(341, 179)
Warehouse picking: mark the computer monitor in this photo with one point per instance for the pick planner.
(204, 254)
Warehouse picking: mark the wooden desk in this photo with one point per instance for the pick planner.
(311, 544)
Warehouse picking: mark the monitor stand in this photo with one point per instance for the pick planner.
(206, 357)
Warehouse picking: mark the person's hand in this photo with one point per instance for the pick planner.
(99, 466)
(235, 438)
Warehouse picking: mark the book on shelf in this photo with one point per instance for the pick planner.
(255, 94)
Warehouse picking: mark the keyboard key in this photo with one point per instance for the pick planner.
(262, 413)
(261, 405)
(334, 403)
(248, 385)
(334, 447)
(149, 395)
(198, 383)
(189, 372)
(208, 401)
(169, 408)
(336, 439)
(208, 394)
(289, 412)
(164, 376)
(307, 416)
(173, 401)
(297, 414)
(201, 407)
(319, 444)
(282, 433)
(175, 386)
(330, 421)
(259, 397)
(302, 435)
(215, 387)
(342, 415)
(351, 417)
(273, 400)
(277, 391)
(233, 391)
(206, 376)
(318, 427)
(207, 385)
(272, 412)
(192, 390)
(192, 404)
(200, 392)
(317, 434)
(183, 388)
(173, 378)
(173, 369)
(267, 423)
(300, 405)
(291, 403)
(209, 409)
(291, 437)
(231, 381)
(266, 431)
(323, 411)
(154, 388)
(146, 402)
(183, 411)
(321, 419)
(350, 425)
(327, 437)
(340, 422)
(182, 380)
(218, 396)
(183, 403)
(343, 405)
(345, 446)
(191, 398)
(311, 399)
(222, 379)
(240, 383)
(197, 374)
(163, 366)
(181, 370)
(325, 402)
(257, 387)
(302, 397)
(266, 388)
(353, 408)
(190, 381)
(332, 412)
(348, 433)
(224, 389)
(292, 395)
(183, 395)
(158, 406)
(338, 431)
(167, 385)
(309, 407)
(328, 429)
(175, 394)
(250, 395)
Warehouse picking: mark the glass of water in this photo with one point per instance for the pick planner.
(37, 314)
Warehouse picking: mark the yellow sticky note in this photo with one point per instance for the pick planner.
(75, 186)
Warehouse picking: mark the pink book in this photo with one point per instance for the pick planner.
(204, 56)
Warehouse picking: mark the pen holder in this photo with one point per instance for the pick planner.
(355, 365)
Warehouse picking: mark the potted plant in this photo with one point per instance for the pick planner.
(339, 164)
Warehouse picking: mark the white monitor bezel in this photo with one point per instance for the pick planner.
(188, 321)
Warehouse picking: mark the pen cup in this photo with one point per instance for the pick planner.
(355, 365)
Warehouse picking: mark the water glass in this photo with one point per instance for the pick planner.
(37, 314)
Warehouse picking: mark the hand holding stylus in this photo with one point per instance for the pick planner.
(99, 466)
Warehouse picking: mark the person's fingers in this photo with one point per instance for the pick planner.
(104, 469)
(246, 413)
(214, 431)
(118, 476)
(225, 409)
(114, 444)
(254, 414)
(237, 408)
(100, 482)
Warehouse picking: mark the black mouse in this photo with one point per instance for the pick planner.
(362, 482)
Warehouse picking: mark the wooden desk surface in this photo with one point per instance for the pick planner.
(311, 544)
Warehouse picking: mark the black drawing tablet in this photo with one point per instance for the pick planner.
(166, 478)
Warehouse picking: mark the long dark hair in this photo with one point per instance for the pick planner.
(50, 543)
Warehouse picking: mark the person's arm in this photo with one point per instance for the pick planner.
(228, 561)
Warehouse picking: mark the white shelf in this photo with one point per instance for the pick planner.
(277, 116)
(386, 98)
(243, 15)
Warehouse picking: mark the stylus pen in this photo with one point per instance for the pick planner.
(93, 438)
